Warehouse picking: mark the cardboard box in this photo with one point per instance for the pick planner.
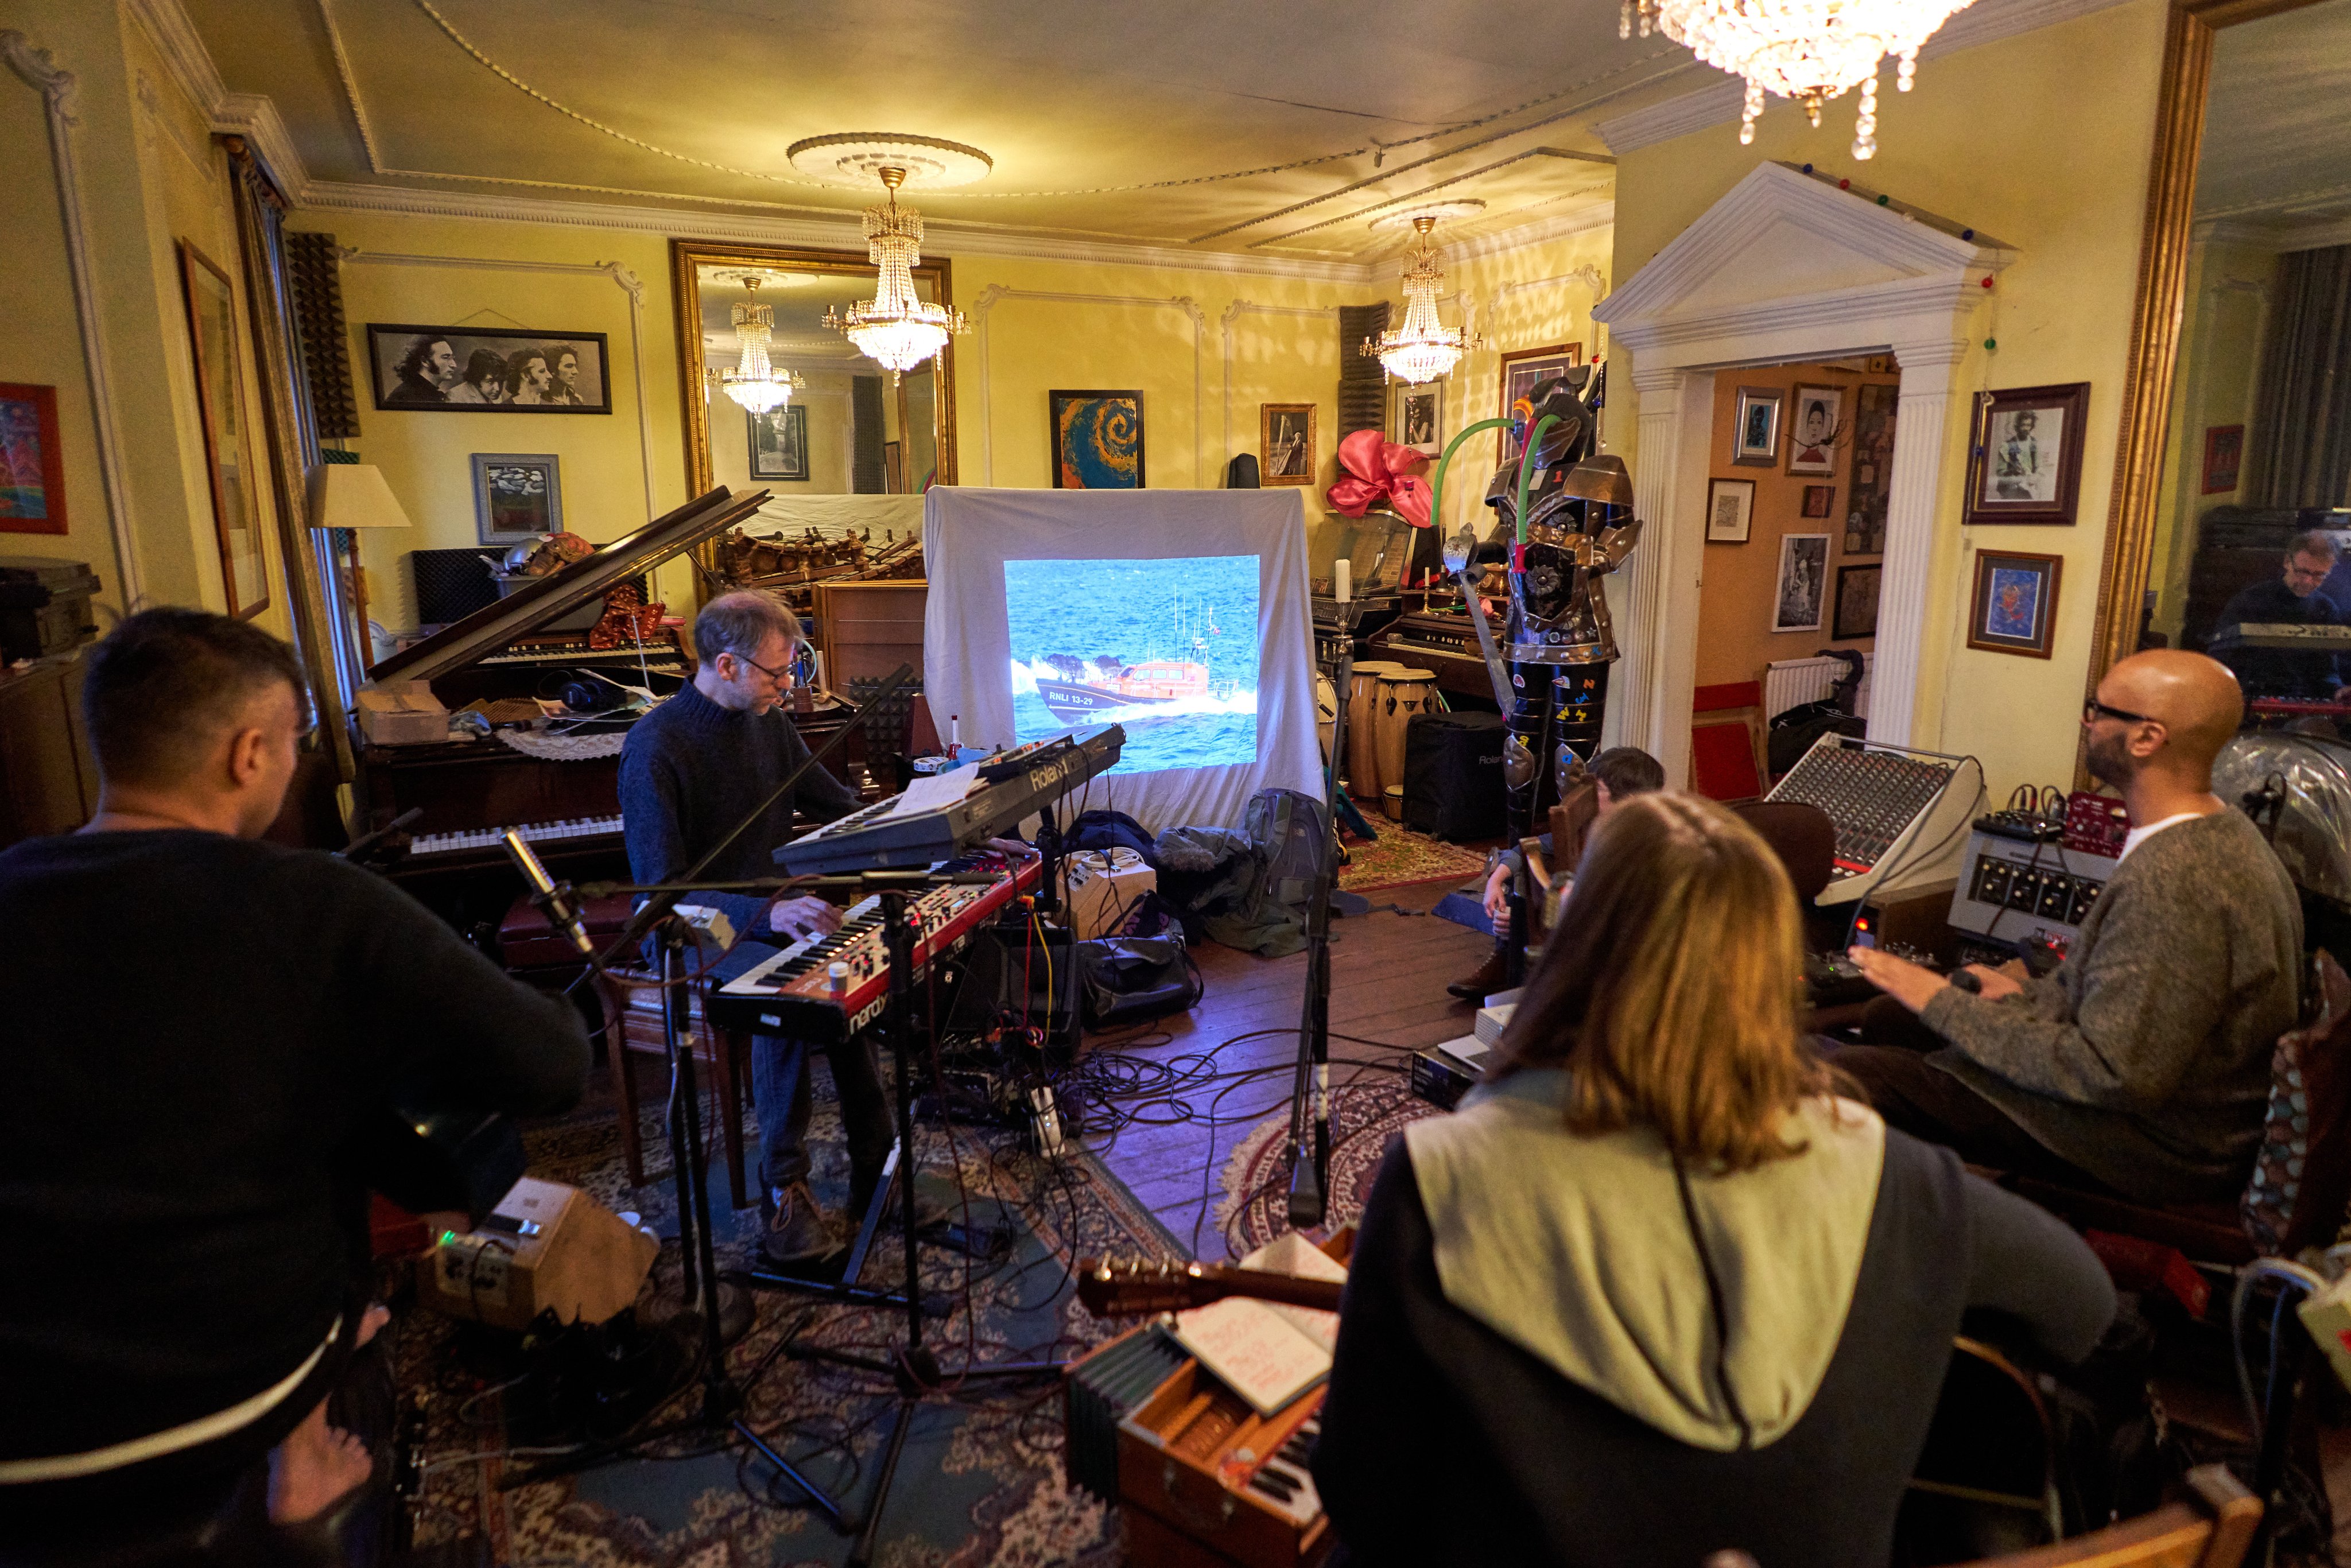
(1100, 888)
(402, 713)
(546, 1246)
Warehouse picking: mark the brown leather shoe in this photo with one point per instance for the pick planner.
(1488, 978)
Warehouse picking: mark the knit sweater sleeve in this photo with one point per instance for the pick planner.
(651, 803)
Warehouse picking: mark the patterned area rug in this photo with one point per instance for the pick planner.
(1363, 1115)
(981, 1480)
(1398, 857)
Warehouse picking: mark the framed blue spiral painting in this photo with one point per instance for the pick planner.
(1097, 440)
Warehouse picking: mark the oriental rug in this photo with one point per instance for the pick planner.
(1397, 858)
(1364, 1113)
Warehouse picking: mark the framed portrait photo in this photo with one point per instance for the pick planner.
(220, 401)
(32, 468)
(1755, 427)
(1523, 369)
(1729, 510)
(1856, 601)
(1815, 429)
(2224, 454)
(1801, 599)
(2015, 602)
(1097, 440)
(2025, 464)
(1285, 443)
(516, 496)
(477, 370)
(1416, 417)
(1820, 500)
(780, 443)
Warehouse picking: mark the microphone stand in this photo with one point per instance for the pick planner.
(1310, 1095)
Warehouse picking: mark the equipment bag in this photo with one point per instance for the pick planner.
(1128, 980)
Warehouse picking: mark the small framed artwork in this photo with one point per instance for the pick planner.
(2224, 454)
(2015, 602)
(1856, 601)
(1729, 510)
(518, 496)
(220, 402)
(1416, 417)
(32, 469)
(1820, 500)
(1523, 369)
(1801, 597)
(2025, 462)
(1872, 476)
(1285, 442)
(1097, 440)
(477, 370)
(1755, 427)
(780, 443)
(1817, 431)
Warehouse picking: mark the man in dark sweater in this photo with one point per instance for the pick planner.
(199, 1029)
(2297, 599)
(2143, 1061)
(694, 769)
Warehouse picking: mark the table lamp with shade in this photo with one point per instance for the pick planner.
(350, 496)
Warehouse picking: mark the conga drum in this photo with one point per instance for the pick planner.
(1326, 711)
(1362, 728)
(1404, 694)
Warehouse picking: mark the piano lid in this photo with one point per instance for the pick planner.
(545, 599)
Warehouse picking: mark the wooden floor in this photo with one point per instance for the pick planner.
(1388, 973)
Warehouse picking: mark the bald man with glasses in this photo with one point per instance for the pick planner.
(2142, 1064)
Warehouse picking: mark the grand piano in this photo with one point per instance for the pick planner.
(529, 644)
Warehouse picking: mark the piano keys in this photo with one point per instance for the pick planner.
(1446, 644)
(540, 836)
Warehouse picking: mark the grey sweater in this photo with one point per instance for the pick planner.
(2145, 1057)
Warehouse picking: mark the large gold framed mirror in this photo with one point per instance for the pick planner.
(851, 427)
(2232, 446)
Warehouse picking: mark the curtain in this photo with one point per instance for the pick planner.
(2302, 414)
(865, 476)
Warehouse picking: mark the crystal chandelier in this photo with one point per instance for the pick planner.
(1420, 350)
(755, 382)
(895, 328)
(1810, 50)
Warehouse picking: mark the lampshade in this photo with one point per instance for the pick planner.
(353, 495)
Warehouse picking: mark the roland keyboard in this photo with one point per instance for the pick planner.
(796, 993)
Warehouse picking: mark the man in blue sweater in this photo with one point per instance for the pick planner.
(691, 769)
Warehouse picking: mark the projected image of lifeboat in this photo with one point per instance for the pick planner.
(1080, 689)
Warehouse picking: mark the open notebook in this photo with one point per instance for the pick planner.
(1267, 1351)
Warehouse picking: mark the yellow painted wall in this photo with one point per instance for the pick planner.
(2044, 141)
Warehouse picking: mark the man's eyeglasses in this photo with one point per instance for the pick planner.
(2092, 710)
(782, 677)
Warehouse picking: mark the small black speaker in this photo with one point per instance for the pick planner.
(1240, 474)
(1453, 775)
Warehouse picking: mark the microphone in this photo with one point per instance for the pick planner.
(554, 901)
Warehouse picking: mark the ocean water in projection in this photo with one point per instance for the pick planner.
(1166, 648)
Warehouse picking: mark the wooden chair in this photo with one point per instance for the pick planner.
(633, 1001)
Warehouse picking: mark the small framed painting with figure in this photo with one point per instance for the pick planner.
(32, 468)
(1285, 440)
(1820, 501)
(1801, 601)
(1729, 510)
(1755, 427)
(1856, 601)
(1416, 417)
(2015, 605)
(2025, 464)
(1817, 431)
(1523, 369)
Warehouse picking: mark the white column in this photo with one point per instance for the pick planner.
(1921, 436)
(1636, 590)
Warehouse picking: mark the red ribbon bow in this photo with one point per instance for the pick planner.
(1380, 470)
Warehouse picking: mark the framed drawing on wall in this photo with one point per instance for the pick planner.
(478, 369)
(1820, 500)
(1802, 596)
(1523, 369)
(1873, 468)
(780, 443)
(32, 468)
(2015, 602)
(1285, 443)
(220, 403)
(2025, 462)
(1416, 417)
(2224, 454)
(1817, 429)
(517, 497)
(1755, 427)
(1729, 510)
(1097, 440)
(1856, 601)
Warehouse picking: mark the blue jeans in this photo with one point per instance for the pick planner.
(779, 1082)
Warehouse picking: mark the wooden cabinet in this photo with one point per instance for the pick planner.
(870, 628)
(48, 780)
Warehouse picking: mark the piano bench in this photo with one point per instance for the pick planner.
(525, 941)
(631, 997)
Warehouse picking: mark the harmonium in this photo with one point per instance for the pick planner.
(561, 792)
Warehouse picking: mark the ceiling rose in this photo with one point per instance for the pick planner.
(1438, 212)
(858, 157)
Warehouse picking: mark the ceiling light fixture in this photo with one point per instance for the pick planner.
(897, 328)
(755, 382)
(1421, 349)
(1810, 50)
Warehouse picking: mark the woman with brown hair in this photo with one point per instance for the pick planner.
(1656, 1288)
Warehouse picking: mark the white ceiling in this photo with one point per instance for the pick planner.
(2277, 128)
(1214, 125)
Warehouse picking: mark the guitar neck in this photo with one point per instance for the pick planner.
(1112, 1289)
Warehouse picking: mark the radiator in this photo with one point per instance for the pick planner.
(1788, 682)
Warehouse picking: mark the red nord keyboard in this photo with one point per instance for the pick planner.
(796, 993)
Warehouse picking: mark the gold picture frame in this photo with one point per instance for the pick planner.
(1286, 452)
(211, 299)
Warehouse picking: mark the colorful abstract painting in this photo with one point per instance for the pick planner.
(1097, 440)
(32, 488)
